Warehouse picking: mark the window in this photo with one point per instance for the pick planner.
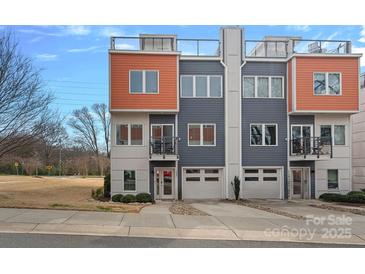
(187, 86)
(201, 134)
(326, 134)
(201, 86)
(143, 81)
(192, 171)
(129, 180)
(332, 178)
(339, 135)
(249, 87)
(333, 133)
(327, 83)
(251, 179)
(208, 175)
(129, 134)
(263, 87)
(268, 130)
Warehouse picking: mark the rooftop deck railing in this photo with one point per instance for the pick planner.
(321, 46)
(266, 49)
(187, 47)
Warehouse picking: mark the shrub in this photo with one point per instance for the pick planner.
(351, 197)
(363, 189)
(107, 186)
(144, 198)
(356, 193)
(332, 197)
(117, 198)
(129, 198)
(98, 193)
(355, 198)
(236, 184)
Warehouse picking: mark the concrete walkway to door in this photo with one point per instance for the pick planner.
(226, 221)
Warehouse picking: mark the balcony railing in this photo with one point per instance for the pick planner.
(187, 47)
(311, 146)
(321, 46)
(362, 81)
(266, 49)
(164, 146)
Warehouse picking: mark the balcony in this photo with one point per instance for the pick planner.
(167, 43)
(283, 48)
(311, 148)
(164, 148)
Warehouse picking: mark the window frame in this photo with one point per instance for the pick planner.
(135, 181)
(129, 134)
(201, 143)
(338, 180)
(327, 90)
(270, 86)
(208, 76)
(144, 83)
(263, 127)
(333, 133)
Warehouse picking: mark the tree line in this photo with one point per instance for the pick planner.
(33, 136)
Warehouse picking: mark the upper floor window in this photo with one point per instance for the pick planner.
(327, 83)
(201, 134)
(143, 81)
(263, 87)
(129, 134)
(337, 131)
(263, 134)
(201, 86)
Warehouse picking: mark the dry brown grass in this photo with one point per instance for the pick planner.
(56, 193)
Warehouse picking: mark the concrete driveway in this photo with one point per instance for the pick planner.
(226, 221)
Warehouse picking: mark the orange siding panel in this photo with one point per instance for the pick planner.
(120, 98)
(289, 88)
(347, 66)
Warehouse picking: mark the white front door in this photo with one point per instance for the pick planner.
(300, 182)
(164, 183)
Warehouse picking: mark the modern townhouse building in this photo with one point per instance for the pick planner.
(188, 115)
(358, 142)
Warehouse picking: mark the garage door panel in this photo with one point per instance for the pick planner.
(202, 183)
(262, 183)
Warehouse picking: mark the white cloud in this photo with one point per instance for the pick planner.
(124, 46)
(360, 50)
(88, 49)
(362, 34)
(77, 30)
(46, 57)
(304, 28)
(35, 39)
(111, 31)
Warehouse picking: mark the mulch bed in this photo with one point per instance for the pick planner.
(181, 208)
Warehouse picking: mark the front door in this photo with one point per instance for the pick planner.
(164, 183)
(300, 182)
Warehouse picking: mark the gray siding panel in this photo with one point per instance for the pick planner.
(257, 110)
(162, 119)
(201, 67)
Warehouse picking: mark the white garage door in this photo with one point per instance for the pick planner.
(262, 183)
(202, 183)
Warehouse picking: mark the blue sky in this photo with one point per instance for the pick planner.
(74, 59)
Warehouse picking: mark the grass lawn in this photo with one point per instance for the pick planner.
(56, 193)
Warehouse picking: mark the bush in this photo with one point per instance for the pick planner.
(144, 198)
(363, 189)
(236, 184)
(129, 198)
(352, 197)
(98, 193)
(117, 198)
(107, 186)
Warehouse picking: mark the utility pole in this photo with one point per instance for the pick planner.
(60, 163)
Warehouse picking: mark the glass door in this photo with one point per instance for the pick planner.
(167, 184)
(164, 183)
(162, 138)
(300, 182)
(301, 136)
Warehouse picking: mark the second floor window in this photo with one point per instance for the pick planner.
(327, 83)
(143, 81)
(201, 134)
(201, 86)
(129, 135)
(263, 87)
(337, 131)
(263, 134)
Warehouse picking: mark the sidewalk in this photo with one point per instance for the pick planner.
(226, 222)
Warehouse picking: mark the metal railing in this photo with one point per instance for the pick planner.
(321, 46)
(313, 146)
(266, 49)
(164, 146)
(199, 47)
(187, 47)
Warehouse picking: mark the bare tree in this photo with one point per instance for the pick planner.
(86, 131)
(24, 106)
(101, 110)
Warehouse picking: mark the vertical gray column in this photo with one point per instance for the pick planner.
(232, 59)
